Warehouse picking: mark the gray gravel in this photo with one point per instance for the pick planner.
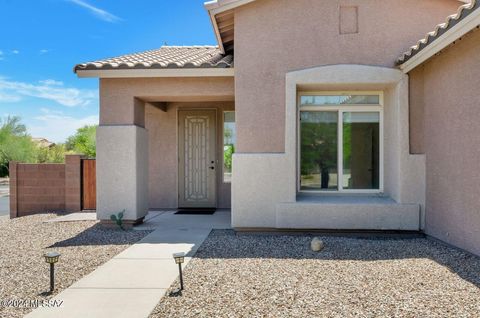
(278, 276)
(83, 246)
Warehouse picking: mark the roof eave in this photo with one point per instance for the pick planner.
(463, 27)
(214, 8)
(148, 73)
(216, 31)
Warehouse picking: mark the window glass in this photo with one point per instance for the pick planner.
(229, 142)
(323, 100)
(319, 135)
(361, 149)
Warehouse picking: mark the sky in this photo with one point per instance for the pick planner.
(42, 40)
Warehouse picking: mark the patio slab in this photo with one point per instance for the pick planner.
(220, 220)
(133, 282)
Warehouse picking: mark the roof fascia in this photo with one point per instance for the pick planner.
(136, 73)
(460, 29)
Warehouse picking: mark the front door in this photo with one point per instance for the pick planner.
(197, 159)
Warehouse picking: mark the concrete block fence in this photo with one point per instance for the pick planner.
(40, 188)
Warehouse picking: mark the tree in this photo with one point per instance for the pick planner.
(15, 143)
(53, 154)
(83, 142)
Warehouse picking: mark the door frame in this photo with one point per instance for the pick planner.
(177, 119)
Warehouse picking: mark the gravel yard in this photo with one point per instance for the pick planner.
(24, 275)
(278, 276)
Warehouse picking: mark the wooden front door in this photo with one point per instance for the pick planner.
(89, 184)
(197, 159)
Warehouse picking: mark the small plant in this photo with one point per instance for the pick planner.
(118, 219)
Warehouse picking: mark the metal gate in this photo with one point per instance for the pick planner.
(89, 184)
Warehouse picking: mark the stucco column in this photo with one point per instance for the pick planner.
(122, 172)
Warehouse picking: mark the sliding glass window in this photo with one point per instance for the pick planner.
(340, 142)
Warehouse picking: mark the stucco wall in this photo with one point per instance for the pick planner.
(122, 172)
(163, 163)
(451, 142)
(417, 109)
(273, 37)
(118, 95)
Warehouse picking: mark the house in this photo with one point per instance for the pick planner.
(330, 124)
(43, 142)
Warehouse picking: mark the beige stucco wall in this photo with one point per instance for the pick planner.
(163, 163)
(417, 109)
(273, 37)
(117, 95)
(122, 173)
(451, 143)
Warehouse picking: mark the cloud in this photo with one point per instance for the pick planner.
(99, 13)
(43, 51)
(7, 98)
(57, 127)
(1, 55)
(15, 52)
(49, 111)
(49, 90)
(51, 82)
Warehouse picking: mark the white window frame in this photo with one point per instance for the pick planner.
(340, 109)
(223, 144)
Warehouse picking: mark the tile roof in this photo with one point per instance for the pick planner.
(167, 57)
(463, 11)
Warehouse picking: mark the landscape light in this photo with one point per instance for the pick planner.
(51, 258)
(179, 259)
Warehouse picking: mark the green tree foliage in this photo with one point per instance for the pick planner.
(53, 154)
(228, 151)
(83, 142)
(15, 143)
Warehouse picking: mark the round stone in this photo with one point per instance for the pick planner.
(317, 244)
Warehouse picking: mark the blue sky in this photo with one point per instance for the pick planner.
(41, 41)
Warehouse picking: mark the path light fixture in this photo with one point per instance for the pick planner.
(51, 258)
(179, 259)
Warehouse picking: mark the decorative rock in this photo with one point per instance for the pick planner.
(261, 275)
(317, 244)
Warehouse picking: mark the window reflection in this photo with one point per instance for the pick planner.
(229, 142)
(361, 145)
(322, 100)
(319, 150)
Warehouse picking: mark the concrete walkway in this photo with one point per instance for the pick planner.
(4, 197)
(133, 282)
